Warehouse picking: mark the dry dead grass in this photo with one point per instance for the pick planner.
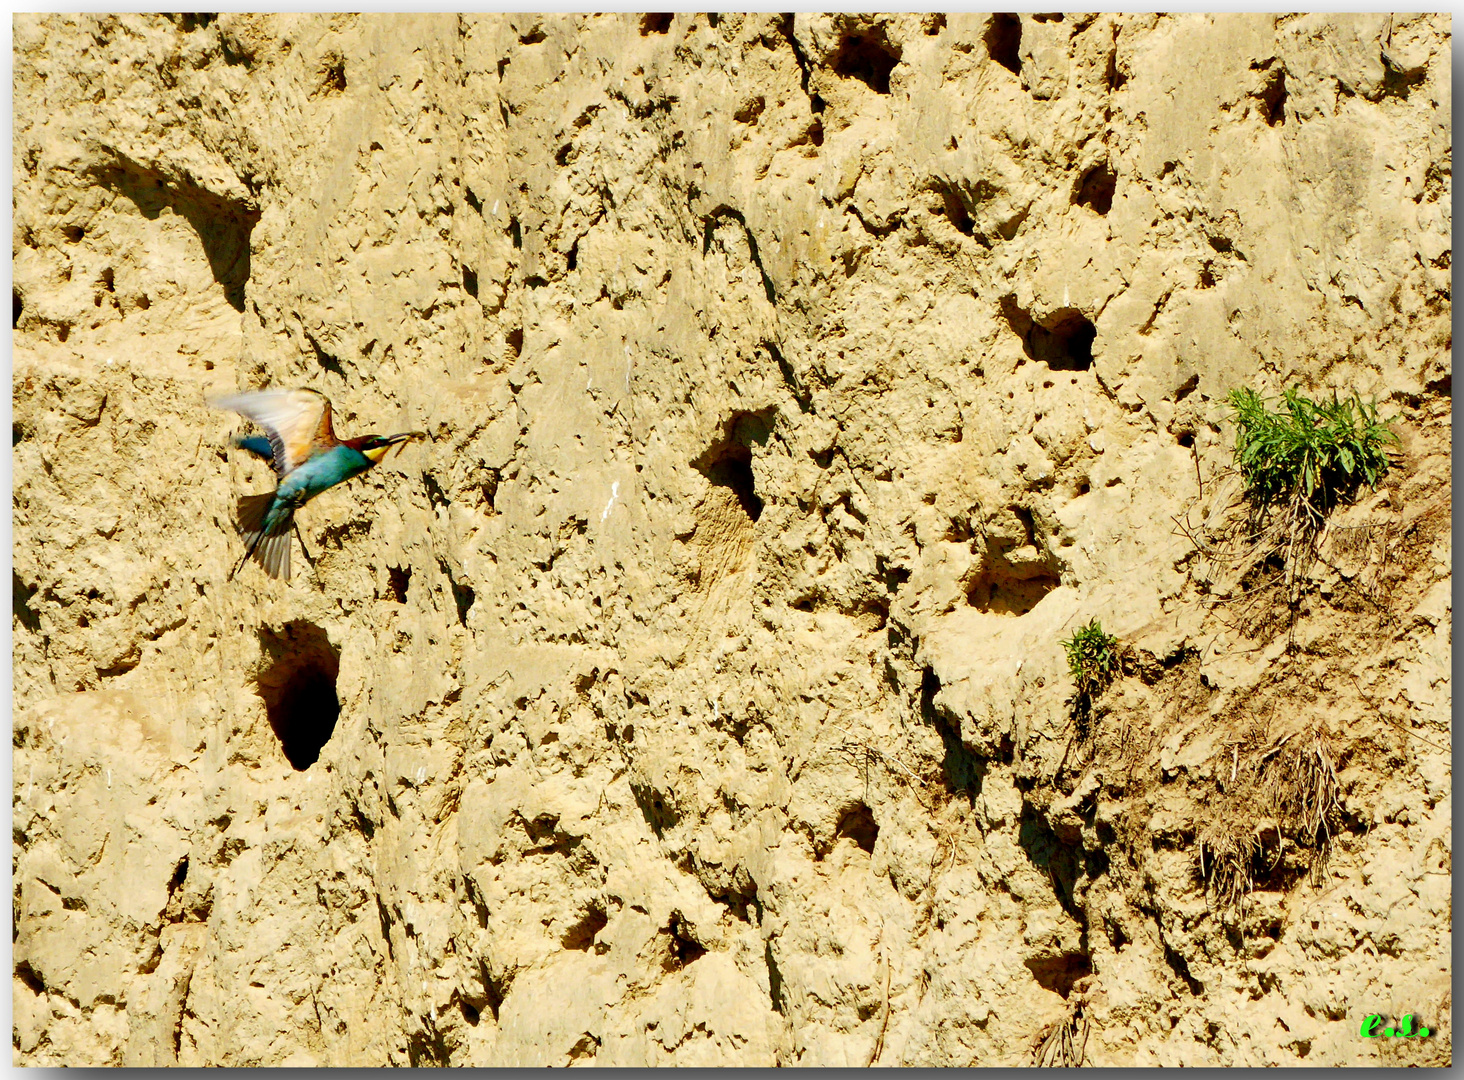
(1287, 792)
(1228, 875)
(1063, 1044)
(1300, 784)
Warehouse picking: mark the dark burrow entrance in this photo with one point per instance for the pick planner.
(1095, 190)
(1063, 341)
(1004, 41)
(298, 685)
(858, 824)
(728, 462)
(1001, 590)
(1060, 971)
(868, 57)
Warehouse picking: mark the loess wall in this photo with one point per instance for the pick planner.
(694, 695)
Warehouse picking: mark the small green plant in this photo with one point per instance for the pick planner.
(1093, 659)
(1307, 454)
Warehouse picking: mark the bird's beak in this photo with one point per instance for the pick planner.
(388, 443)
(398, 441)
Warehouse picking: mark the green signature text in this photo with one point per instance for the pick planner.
(1407, 1028)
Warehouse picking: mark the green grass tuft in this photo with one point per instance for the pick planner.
(1093, 659)
(1307, 454)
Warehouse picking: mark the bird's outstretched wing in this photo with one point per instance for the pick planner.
(297, 421)
(257, 445)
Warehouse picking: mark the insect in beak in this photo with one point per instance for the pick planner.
(398, 442)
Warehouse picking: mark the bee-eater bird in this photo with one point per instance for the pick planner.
(307, 457)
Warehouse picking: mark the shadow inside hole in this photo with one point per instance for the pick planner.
(1095, 190)
(1063, 341)
(734, 470)
(1273, 96)
(333, 76)
(684, 948)
(398, 581)
(1059, 972)
(998, 591)
(858, 824)
(728, 462)
(298, 687)
(1005, 584)
(868, 58)
(1004, 41)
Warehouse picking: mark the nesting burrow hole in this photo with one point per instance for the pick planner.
(684, 948)
(1063, 340)
(868, 57)
(398, 581)
(1273, 92)
(1002, 589)
(857, 823)
(332, 74)
(728, 461)
(298, 687)
(1004, 41)
(1095, 189)
(1012, 578)
(1059, 973)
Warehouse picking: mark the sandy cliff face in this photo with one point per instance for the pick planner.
(694, 695)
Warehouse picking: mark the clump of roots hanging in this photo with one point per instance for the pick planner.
(1285, 797)
(1063, 1043)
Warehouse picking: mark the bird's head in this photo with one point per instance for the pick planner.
(375, 447)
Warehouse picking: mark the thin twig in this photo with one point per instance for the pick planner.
(1275, 749)
(885, 1023)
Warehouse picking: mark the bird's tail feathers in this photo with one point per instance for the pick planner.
(251, 511)
(271, 550)
(273, 554)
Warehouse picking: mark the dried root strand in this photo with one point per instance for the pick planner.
(1228, 877)
(1306, 795)
(1063, 1045)
(1295, 780)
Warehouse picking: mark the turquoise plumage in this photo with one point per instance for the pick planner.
(307, 458)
